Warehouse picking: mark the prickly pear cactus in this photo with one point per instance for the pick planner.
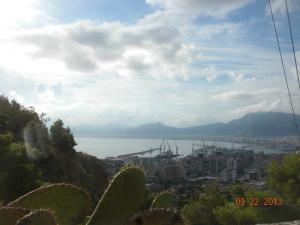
(165, 200)
(156, 217)
(9, 215)
(69, 203)
(38, 217)
(122, 198)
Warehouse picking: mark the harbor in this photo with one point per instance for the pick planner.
(226, 164)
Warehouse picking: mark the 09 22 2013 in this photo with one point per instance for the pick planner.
(258, 201)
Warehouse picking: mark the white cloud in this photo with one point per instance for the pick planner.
(234, 95)
(269, 100)
(163, 68)
(227, 30)
(278, 6)
(263, 106)
(15, 13)
(216, 8)
(15, 96)
(292, 68)
(154, 51)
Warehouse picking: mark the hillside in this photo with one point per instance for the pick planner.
(80, 169)
(31, 155)
(259, 124)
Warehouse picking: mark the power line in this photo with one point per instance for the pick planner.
(292, 40)
(284, 71)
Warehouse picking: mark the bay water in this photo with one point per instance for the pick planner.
(111, 147)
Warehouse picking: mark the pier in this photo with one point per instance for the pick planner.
(140, 153)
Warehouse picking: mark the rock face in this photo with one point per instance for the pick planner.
(297, 222)
(78, 168)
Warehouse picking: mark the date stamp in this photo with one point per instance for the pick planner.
(259, 201)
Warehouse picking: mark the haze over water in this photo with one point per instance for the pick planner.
(107, 147)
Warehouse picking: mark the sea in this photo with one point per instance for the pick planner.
(111, 147)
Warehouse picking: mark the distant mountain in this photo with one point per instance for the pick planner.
(100, 131)
(153, 129)
(259, 124)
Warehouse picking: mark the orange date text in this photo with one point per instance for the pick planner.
(258, 201)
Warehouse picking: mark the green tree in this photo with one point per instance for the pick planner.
(237, 215)
(36, 138)
(201, 211)
(61, 137)
(17, 174)
(284, 178)
(24, 123)
(231, 214)
(236, 190)
(15, 117)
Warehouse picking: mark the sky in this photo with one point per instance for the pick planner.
(125, 63)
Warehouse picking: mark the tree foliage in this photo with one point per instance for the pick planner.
(15, 117)
(237, 215)
(201, 211)
(24, 140)
(284, 178)
(237, 190)
(24, 123)
(283, 182)
(61, 137)
(247, 215)
(17, 174)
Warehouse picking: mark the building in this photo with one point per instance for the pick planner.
(217, 162)
(252, 174)
(172, 172)
(132, 160)
(231, 163)
(113, 165)
(229, 174)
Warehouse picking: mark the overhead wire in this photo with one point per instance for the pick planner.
(292, 41)
(284, 70)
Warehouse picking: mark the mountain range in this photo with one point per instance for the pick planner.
(258, 124)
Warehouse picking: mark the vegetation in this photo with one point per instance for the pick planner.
(284, 179)
(126, 195)
(61, 137)
(9, 215)
(70, 204)
(30, 155)
(38, 217)
(215, 207)
(122, 199)
(237, 215)
(165, 200)
(156, 217)
(237, 190)
(201, 212)
(18, 174)
(28, 152)
(14, 117)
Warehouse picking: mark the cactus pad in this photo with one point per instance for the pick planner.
(164, 200)
(122, 199)
(10, 215)
(69, 203)
(38, 217)
(156, 217)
